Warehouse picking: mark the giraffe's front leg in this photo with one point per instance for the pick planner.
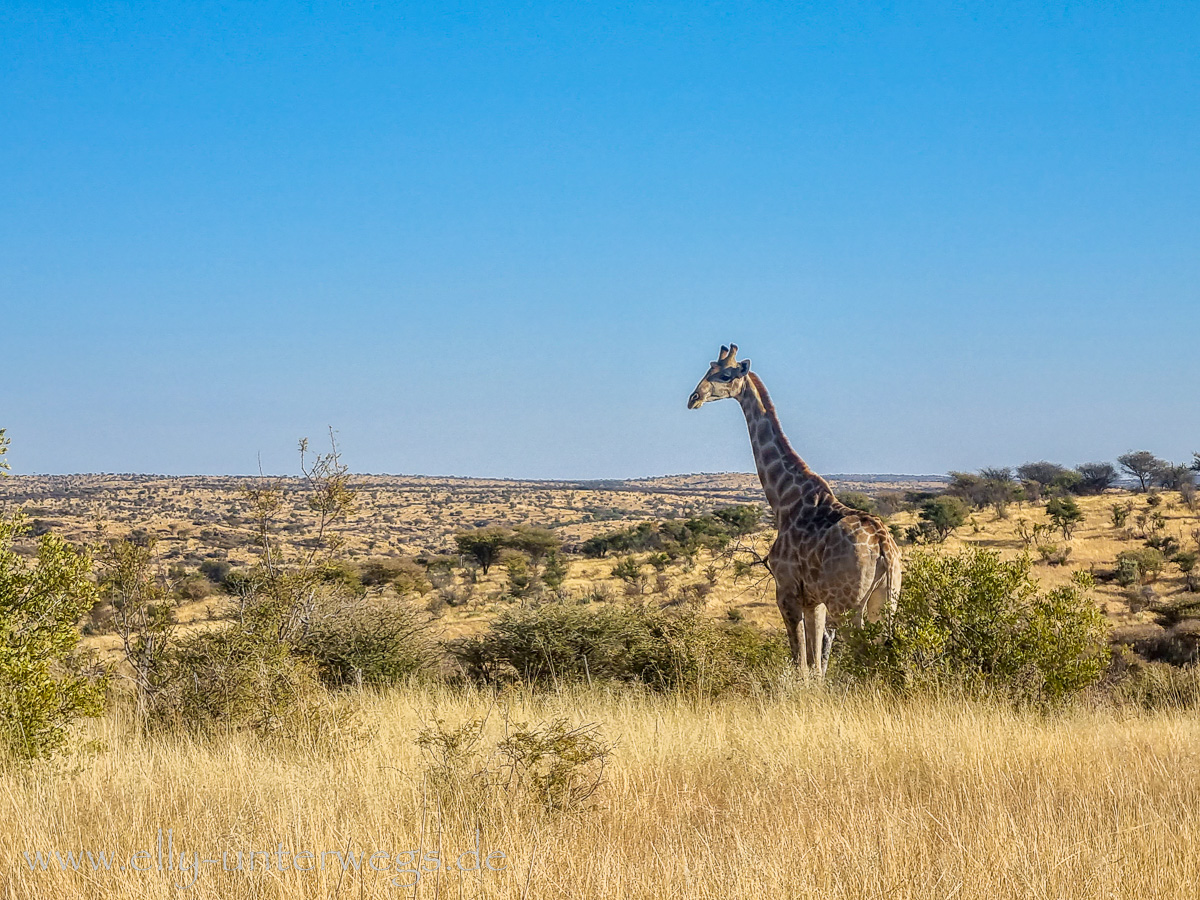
(814, 634)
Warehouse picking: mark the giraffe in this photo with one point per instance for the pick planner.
(829, 561)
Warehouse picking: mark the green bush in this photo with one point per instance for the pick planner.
(42, 597)
(231, 678)
(1064, 514)
(368, 642)
(1139, 566)
(857, 500)
(41, 600)
(940, 516)
(662, 650)
(979, 621)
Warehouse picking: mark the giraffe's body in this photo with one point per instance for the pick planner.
(830, 562)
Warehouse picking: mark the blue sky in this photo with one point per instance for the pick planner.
(506, 239)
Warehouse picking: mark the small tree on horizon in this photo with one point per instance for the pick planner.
(998, 488)
(1096, 477)
(1141, 464)
(1041, 476)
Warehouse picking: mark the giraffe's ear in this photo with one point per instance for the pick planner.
(744, 367)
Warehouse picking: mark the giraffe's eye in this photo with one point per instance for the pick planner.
(726, 376)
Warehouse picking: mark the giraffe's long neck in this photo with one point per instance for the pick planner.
(786, 478)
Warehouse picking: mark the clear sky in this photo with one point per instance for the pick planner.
(506, 239)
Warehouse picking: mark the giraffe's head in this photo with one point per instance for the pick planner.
(725, 378)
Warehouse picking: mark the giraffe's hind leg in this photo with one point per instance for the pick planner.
(793, 623)
(826, 647)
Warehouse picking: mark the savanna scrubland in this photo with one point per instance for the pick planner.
(589, 679)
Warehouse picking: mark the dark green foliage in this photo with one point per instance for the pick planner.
(521, 581)
(231, 678)
(404, 576)
(373, 641)
(1096, 477)
(1178, 609)
(662, 650)
(1141, 464)
(555, 571)
(1185, 561)
(483, 544)
(487, 546)
(967, 487)
(628, 569)
(941, 515)
(1064, 513)
(536, 543)
(1128, 572)
(340, 576)
(678, 538)
(744, 519)
(1067, 483)
(857, 500)
(262, 671)
(215, 570)
(998, 488)
(1042, 474)
(979, 621)
(1139, 566)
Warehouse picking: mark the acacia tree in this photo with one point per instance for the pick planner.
(1096, 477)
(1040, 476)
(1171, 477)
(998, 488)
(942, 515)
(536, 543)
(1142, 465)
(483, 544)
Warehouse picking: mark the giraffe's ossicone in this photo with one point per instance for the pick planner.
(830, 562)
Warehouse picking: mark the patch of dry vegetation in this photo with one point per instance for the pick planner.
(801, 793)
(638, 735)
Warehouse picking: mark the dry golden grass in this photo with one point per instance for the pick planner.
(804, 794)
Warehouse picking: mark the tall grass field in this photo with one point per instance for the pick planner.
(796, 792)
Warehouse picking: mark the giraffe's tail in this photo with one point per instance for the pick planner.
(894, 575)
(888, 573)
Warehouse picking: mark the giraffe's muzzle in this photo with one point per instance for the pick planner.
(695, 401)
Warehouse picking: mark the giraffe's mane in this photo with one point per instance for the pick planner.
(769, 409)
